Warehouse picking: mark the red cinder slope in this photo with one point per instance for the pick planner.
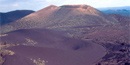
(63, 16)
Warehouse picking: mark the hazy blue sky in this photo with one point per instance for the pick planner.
(9, 5)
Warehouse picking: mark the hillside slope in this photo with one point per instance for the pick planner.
(49, 47)
(63, 16)
(13, 16)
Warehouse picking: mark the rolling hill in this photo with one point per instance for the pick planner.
(13, 16)
(123, 20)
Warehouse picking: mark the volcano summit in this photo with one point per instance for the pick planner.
(63, 16)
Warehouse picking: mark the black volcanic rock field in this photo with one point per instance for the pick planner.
(66, 35)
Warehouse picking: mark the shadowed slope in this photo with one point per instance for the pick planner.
(44, 38)
(17, 60)
(13, 16)
(64, 16)
(51, 46)
(55, 56)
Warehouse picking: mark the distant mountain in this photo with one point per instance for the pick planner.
(125, 11)
(122, 12)
(114, 8)
(63, 16)
(13, 15)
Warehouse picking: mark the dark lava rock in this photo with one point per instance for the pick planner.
(123, 50)
(122, 44)
(127, 63)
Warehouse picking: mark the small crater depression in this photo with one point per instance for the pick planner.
(76, 47)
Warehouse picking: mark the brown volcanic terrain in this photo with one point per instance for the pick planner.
(63, 16)
(50, 46)
(72, 31)
(124, 21)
